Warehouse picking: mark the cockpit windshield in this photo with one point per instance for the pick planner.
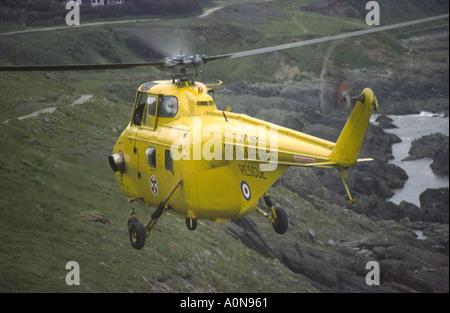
(168, 106)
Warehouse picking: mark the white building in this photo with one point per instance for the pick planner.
(100, 2)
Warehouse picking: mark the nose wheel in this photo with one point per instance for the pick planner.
(136, 232)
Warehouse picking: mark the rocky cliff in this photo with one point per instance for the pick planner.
(329, 241)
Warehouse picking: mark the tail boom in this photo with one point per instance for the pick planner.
(310, 151)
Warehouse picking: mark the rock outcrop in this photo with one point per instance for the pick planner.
(329, 241)
(434, 205)
(434, 146)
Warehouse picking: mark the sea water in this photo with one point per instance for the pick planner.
(420, 175)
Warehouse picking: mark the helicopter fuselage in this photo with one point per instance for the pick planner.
(217, 185)
(226, 161)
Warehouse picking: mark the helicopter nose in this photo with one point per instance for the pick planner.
(116, 162)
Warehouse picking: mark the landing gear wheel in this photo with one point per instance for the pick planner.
(131, 220)
(281, 223)
(191, 223)
(137, 235)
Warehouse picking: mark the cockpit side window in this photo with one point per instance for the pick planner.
(212, 94)
(151, 101)
(168, 106)
(139, 109)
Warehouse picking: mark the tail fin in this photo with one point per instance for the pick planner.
(346, 150)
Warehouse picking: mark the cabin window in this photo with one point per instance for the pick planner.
(150, 156)
(169, 160)
(168, 106)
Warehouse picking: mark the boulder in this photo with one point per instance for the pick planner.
(434, 205)
(311, 263)
(94, 216)
(427, 146)
(378, 143)
(385, 122)
(439, 166)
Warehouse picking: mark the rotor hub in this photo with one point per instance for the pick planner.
(179, 65)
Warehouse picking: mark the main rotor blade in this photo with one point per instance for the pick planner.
(83, 67)
(325, 39)
(77, 67)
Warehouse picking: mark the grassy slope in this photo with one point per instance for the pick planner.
(54, 169)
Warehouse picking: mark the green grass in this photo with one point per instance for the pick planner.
(55, 169)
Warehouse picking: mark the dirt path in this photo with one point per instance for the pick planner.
(81, 25)
(80, 100)
(210, 11)
(204, 14)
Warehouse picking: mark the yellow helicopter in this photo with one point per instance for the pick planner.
(180, 154)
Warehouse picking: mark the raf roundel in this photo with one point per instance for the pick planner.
(154, 185)
(246, 192)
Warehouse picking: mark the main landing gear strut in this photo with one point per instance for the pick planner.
(278, 218)
(139, 233)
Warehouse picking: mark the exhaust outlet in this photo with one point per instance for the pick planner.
(116, 162)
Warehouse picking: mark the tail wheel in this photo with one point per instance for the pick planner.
(281, 223)
(191, 223)
(137, 235)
